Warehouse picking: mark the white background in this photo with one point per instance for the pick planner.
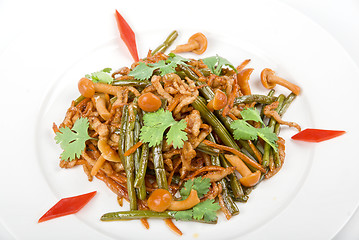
(338, 17)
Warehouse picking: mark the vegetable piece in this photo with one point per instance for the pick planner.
(107, 152)
(317, 135)
(243, 78)
(144, 71)
(160, 172)
(156, 123)
(127, 35)
(206, 210)
(102, 76)
(67, 206)
(159, 200)
(122, 140)
(86, 87)
(72, 141)
(149, 102)
(168, 42)
(141, 173)
(216, 63)
(134, 83)
(129, 160)
(139, 214)
(270, 80)
(248, 178)
(191, 201)
(243, 130)
(218, 102)
(197, 44)
(100, 103)
(201, 185)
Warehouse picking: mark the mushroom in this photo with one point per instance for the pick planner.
(269, 81)
(248, 178)
(88, 88)
(100, 103)
(191, 201)
(107, 152)
(197, 44)
(242, 80)
(218, 102)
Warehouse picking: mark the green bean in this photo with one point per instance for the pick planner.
(139, 214)
(289, 99)
(271, 125)
(79, 99)
(141, 173)
(141, 189)
(160, 172)
(129, 160)
(205, 71)
(228, 201)
(122, 133)
(207, 149)
(200, 105)
(168, 42)
(189, 73)
(254, 98)
(134, 83)
(233, 180)
(227, 123)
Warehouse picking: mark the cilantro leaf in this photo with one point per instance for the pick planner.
(142, 71)
(216, 63)
(268, 136)
(163, 67)
(176, 59)
(72, 141)
(251, 114)
(184, 215)
(243, 130)
(156, 123)
(101, 76)
(201, 185)
(176, 135)
(206, 210)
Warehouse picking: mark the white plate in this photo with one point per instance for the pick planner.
(312, 197)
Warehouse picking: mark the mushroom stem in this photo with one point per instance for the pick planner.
(100, 103)
(243, 78)
(248, 179)
(191, 201)
(107, 152)
(197, 44)
(188, 47)
(106, 88)
(291, 86)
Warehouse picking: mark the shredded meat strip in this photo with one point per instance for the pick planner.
(270, 112)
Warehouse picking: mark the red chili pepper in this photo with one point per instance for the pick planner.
(67, 206)
(127, 35)
(316, 135)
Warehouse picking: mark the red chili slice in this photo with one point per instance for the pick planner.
(316, 135)
(67, 206)
(127, 35)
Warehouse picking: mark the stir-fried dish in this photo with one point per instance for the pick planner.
(177, 138)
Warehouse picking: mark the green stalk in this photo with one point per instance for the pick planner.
(271, 125)
(141, 189)
(139, 214)
(168, 42)
(129, 160)
(160, 172)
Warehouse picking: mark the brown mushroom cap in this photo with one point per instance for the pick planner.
(251, 179)
(266, 76)
(201, 40)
